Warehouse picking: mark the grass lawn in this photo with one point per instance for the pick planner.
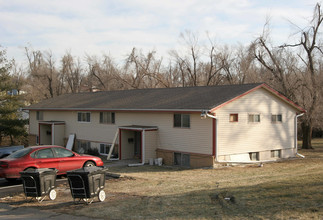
(290, 189)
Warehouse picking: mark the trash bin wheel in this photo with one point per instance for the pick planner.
(101, 196)
(52, 194)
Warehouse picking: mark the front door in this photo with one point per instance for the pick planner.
(137, 145)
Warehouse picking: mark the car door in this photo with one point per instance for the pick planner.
(44, 158)
(67, 160)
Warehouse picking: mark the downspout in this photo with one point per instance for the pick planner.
(297, 116)
(216, 134)
(142, 151)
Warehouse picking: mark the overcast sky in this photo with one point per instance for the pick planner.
(114, 27)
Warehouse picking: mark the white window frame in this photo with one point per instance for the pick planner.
(110, 118)
(276, 153)
(254, 156)
(253, 115)
(106, 148)
(82, 114)
(275, 117)
(39, 115)
(182, 120)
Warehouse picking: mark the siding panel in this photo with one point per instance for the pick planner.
(243, 136)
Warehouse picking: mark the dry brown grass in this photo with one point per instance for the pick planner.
(290, 189)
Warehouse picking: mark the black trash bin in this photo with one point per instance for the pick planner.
(39, 183)
(87, 183)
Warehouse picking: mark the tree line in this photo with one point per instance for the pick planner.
(294, 69)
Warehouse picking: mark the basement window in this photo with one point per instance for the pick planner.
(233, 118)
(276, 153)
(105, 148)
(181, 120)
(254, 156)
(181, 159)
(83, 146)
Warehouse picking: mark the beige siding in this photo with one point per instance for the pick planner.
(196, 139)
(243, 136)
(150, 144)
(33, 123)
(59, 131)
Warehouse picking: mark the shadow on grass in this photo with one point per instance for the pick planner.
(299, 198)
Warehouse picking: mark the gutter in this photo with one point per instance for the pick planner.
(296, 153)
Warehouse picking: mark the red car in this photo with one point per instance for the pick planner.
(36, 157)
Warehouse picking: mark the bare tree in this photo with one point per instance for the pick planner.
(299, 75)
(42, 73)
(71, 71)
(142, 71)
(103, 74)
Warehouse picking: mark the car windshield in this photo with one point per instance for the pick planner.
(20, 153)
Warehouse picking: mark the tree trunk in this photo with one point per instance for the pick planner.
(307, 135)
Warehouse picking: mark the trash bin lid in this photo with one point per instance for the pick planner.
(40, 170)
(87, 170)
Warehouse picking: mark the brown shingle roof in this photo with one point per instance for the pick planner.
(180, 98)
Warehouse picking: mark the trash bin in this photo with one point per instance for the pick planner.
(39, 183)
(87, 183)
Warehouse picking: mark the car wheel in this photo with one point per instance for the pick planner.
(89, 164)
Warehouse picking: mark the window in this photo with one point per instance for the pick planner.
(44, 153)
(105, 148)
(107, 117)
(84, 117)
(254, 156)
(276, 153)
(254, 117)
(181, 121)
(182, 159)
(276, 118)
(83, 146)
(39, 115)
(233, 118)
(61, 152)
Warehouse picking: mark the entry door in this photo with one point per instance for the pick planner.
(137, 153)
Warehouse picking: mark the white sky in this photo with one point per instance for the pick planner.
(114, 27)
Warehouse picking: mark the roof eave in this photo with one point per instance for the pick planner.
(114, 110)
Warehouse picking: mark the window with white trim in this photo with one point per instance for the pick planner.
(107, 117)
(254, 118)
(276, 153)
(277, 118)
(182, 121)
(254, 156)
(84, 117)
(105, 148)
(39, 115)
